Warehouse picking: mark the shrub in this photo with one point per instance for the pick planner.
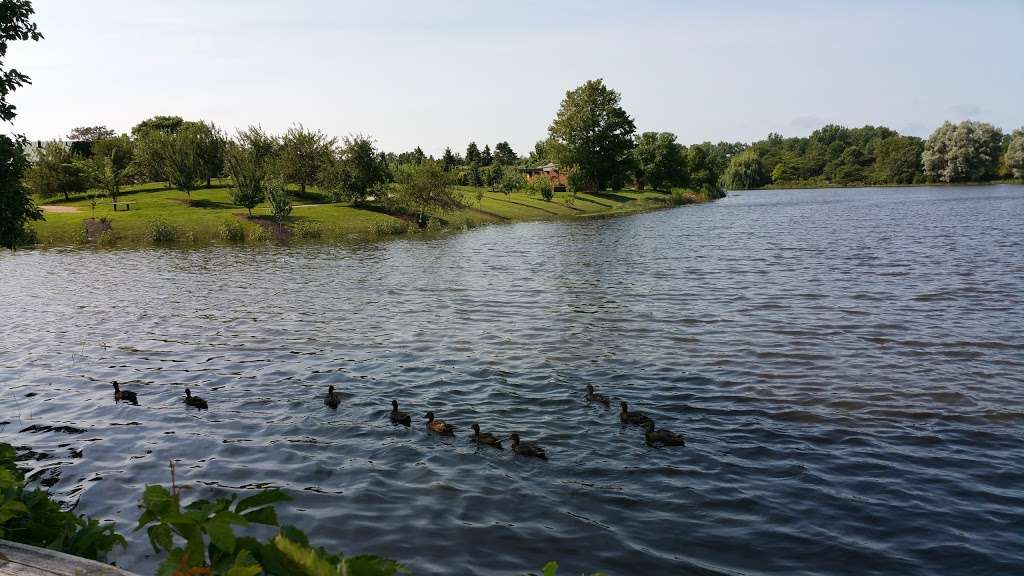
(392, 227)
(259, 234)
(435, 225)
(161, 231)
(280, 204)
(681, 197)
(307, 231)
(541, 185)
(232, 231)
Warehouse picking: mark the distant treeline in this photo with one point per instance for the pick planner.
(875, 155)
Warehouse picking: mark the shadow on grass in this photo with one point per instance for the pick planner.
(611, 196)
(526, 205)
(207, 203)
(486, 213)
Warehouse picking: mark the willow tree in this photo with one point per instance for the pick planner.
(592, 133)
(1015, 153)
(964, 152)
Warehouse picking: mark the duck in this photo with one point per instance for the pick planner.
(195, 401)
(439, 426)
(124, 395)
(592, 397)
(399, 417)
(663, 437)
(485, 438)
(332, 399)
(527, 448)
(637, 418)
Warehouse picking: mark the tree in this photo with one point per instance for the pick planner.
(16, 207)
(504, 155)
(658, 161)
(494, 175)
(418, 155)
(746, 171)
(448, 160)
(248, 159)
(511, 181)
(485, 157)
(303, 155)
(165, 124)
(897, 160)
(472, 154)
(182, 154)
(55, 172)
(474, 176)
(1015, 153)
(111, 163)
(211, 144)
(593, 133)
(424, 188)
(280, 204)
(964, 152)
(541, 184)
(358, 172)
(90, 133)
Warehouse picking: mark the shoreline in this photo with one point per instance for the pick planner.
(817, 186)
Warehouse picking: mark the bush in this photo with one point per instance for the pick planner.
(31, 517)
(307, 231)
(280, 204)
(540, 185)
(232, 231)
(392, 227)
(682, 197)
(161, 231)
(259, 234)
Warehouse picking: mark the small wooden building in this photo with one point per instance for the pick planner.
(549, 171)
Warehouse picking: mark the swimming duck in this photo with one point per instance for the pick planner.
(399, 417)
(637, 418)
(485, 438)
(195, 401)
(663, 437)
(527, 448)
(124, 395)
(591, 397)
(439, 426)
(333, 398)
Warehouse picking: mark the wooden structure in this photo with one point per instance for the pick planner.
(23, 560)
(549, 171)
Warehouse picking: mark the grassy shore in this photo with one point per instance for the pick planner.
(161, 215)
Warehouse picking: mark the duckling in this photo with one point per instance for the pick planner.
(195, 401)
(333, 398)
(527, 448)
(637, 418)
(124, 395)
(485, 438)
(663, 437)
(399, 417)
(439, 426)
(591, 397)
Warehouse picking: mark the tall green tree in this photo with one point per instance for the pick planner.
(897, 160)
(504, 155)
(359, 171)
(304, 154)
(183, 157)
(55, 173)
(248, 160)
(17, 209)
(425, 188)
(164, 124)
(1015, 153)
(658, 161)
(111, 164)
(211, 143)
(472, 154)
(593, 133)
(448, 160)
(964, 152)
(746, 171)
(90, 133)
(485, 156)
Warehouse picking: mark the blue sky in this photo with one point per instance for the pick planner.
(444, 73)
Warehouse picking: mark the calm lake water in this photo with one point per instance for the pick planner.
(847, 367)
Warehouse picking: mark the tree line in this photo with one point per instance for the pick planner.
(875, 155)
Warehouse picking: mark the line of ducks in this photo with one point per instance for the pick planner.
(332, 400)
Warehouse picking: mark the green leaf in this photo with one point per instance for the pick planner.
(194, 546)
(264, 498)
(295, 535)
(221, 535)
(266, 515)
(160, 537)
(551, 569)
(10, 509)
(159, 500)
(245, 565)
(369, 565)
(230, 518)
(309, 560)
(171, 563)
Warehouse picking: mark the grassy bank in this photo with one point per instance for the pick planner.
(161, 215)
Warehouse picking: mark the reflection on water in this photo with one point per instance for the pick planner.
(846, 366)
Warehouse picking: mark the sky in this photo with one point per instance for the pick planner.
(443, 73)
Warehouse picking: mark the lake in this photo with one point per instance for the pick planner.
(847, 367)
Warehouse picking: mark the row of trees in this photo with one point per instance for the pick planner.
(835, 155)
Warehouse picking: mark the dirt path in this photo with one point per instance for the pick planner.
(59, 209)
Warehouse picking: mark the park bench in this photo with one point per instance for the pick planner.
(127, 205)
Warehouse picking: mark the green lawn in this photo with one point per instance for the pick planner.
(314, 218)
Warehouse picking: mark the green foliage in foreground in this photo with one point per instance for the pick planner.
(31, 517)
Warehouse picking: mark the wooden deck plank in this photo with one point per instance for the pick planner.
(31, 561)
